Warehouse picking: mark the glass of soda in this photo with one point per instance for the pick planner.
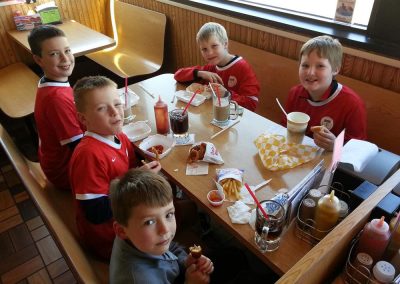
(179, 122)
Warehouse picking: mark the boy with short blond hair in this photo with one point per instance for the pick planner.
(232, 71)
(331, 106)
(55, 114)
(103, 154)
(143, 251)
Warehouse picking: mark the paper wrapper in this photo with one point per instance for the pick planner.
(277, 154)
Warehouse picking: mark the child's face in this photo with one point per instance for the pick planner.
(214, 51)
(56, 60)
(315, 74)
(103, 112)
(150, 229)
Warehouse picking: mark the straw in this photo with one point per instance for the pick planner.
(191, 99)
(256, 201)
(223, 129)
(218, 96)
(283, 110)
(126, 92)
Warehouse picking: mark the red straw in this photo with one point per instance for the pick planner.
(126, 91)
(191, 99)
(256, 201)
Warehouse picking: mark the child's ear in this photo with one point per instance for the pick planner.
(81, 118)
(336, 71)
(37, 59)
(119, 230)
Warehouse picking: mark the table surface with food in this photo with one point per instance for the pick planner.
(237, 149)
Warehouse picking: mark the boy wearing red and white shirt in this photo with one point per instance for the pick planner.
(105, 153)
(232, 71)
(331, 106)
(55, 114)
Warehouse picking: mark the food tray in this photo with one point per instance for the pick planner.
(136, 131)
(167, 142)
(305, 228)
(185, 96)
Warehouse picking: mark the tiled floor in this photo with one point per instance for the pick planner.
(28, 253)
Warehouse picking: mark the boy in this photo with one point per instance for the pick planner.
(103, 154)
(55, 114)
(143, 251)
(222, 67)
(331, 106)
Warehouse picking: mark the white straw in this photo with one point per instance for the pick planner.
(222, 130)
(146, 91)
(281, 107)
(258, 186)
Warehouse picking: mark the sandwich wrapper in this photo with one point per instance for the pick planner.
(239, 212)
(277, 154)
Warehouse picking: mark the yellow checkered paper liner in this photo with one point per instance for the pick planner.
(277, 154)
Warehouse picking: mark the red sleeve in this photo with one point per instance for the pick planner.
(133, 162)
(186, 74)
(356, 122)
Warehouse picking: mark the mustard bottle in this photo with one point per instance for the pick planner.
(326, 215)
(394, 244)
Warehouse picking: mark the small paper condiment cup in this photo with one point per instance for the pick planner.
(213, 202)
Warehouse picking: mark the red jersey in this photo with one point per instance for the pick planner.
(344, 109)
(95, 162)
(238, 77)
(57, 125)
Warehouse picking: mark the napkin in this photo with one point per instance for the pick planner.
(277, 154)
(358, 153)
(239, 213)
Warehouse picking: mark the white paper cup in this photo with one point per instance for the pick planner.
(296, 126)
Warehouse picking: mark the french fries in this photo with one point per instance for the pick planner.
(231, 188)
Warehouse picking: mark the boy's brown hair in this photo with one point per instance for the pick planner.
(41, 33)
(138, 186)
(210, 29)
(87, 84)
(326, 47)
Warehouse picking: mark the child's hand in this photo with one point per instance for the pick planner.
(204, 264)
(153, 166)
(323, 137)
(195, 276)
(210, 77)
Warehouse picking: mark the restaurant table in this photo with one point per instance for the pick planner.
(238, 151)
(82, 39)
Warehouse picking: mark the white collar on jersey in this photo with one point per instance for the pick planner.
(103, 139)
(331, 98)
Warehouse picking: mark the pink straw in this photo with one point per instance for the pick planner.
(191, 99)
(126, 91)
(256, 201)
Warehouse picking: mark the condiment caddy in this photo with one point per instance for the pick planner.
(320, 211)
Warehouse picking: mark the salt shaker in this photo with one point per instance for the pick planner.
(383, 272)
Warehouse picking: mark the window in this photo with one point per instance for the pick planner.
(320, 9)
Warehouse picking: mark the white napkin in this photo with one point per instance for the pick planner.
(239, 213)
(358, 153)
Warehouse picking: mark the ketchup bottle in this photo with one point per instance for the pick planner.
(374, 238)
(161, 114)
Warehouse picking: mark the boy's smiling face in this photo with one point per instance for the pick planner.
(214, 51)
(103, 112)
(316, 74)
(150, 229)
(56, 60)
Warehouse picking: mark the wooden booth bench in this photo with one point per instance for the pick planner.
(56, 208)
(277, 74)
(140, 35)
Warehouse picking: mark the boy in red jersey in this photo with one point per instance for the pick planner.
(103, 154)
(331, 106)
(222, 67)
(55, 114)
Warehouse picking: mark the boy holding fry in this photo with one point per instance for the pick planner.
(103, 154)
(331, 106)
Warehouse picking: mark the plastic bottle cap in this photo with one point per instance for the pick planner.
(383, 271)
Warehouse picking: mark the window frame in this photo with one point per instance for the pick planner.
(367, 40)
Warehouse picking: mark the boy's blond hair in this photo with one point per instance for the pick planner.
(87, 84)
(326, 47)
(138, 186)
(210, 29)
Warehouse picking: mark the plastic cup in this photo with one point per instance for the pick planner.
(296, 126)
